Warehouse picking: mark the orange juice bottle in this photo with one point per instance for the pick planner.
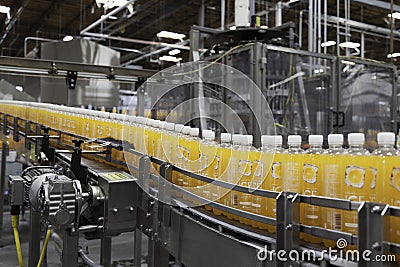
(207, 155)
(242, 172)
(333, 173)
(388, 185)
(293, 165)
(357, 182)
(193, 144)
(272, 151)
(312, 184)
(224, 151)
(182, 159)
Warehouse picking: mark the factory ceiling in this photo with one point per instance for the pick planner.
(367, 20)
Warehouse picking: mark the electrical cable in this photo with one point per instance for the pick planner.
(44, 248)
(15, 223)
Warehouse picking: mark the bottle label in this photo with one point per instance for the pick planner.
(310, 173)
(395, 178)
(355, 176)
(245, 167)
(203, 162)
(276, 170)
(374, 172)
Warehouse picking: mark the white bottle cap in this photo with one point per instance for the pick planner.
(335, 139)
(208, 134)
(194, 132)
(162, 124)
(386, 138)
(278, 139)
(356, 138)
(226, 137)
(156, 123)
(169, 126)
(237, 139)
(186, 130)
(178, 128)
(316, 140)
(247, 139)
(267, 140)
(140, 120)
(148, 122)
(294, 140)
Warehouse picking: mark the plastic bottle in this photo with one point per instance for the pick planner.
(358, 180)
(293, 165)
(177, 155)
(194, 155)
(167, 141)
(184, 155)
(267, 154)
(208, 152)
(242, 172)
(312, 184)
(388, 185)
(333, 173)
(224, 151)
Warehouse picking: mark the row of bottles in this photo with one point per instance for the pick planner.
(352, 174)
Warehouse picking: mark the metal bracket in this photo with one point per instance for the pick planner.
(72, 77)
(15, 131)
(371, 231)
(53, 70)
(111, 76)
(288, 218)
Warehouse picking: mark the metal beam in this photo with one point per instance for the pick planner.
(79, 67)
(136, 41)
(380, 4)
(361, 25)
(104, 17)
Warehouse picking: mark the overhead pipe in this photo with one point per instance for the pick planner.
(278, 14)
(35, 39)
(223, 14)
(136, 41)
(13, 20)
(149, 54)
(106, 16)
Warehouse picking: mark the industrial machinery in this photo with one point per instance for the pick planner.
(73, 195)
(83, 184)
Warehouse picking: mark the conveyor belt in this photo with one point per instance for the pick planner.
(185, 231)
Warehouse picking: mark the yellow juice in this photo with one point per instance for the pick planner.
(193, 163)
(182, 157)
(312, 185)
(272, 158)
(333, 173)
(359, 181)
(388, 184)
(209, 165)
(242, 174)
(223, 156)
(257, 177)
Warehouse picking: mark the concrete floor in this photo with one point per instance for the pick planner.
(122, 246)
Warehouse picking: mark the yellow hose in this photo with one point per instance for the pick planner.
(15, 223)
(44, 248)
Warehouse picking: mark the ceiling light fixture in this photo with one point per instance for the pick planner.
(68, 38)
(5, 10)
(397, 54)
(19, 88)
(170, 59)
(395, 15)
(174, 52)
(171, 35)
(349, 45)
(328, 43)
